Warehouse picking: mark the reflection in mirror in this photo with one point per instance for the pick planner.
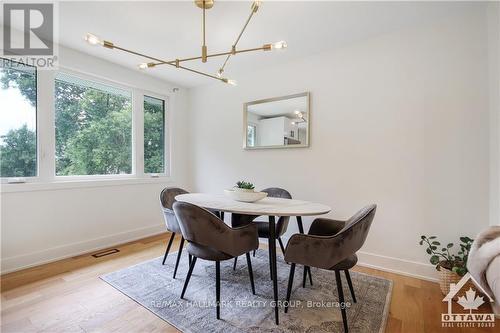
(277, 122)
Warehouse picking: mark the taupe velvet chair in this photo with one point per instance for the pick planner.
(167, 199)
(209, 238)
(263, 226)
(330, 245)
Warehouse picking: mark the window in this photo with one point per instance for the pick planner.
(93, 123)
(18, 104)
(154, 135)
(251, 129)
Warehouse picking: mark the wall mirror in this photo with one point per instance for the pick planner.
(280, 122)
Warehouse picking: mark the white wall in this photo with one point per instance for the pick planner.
(494, 92)
(401, 120)
(59, 221)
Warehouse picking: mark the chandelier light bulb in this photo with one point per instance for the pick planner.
(256, 5)
(143, 65)
(219, 72)
(279, 45)
(92, 39)
(232, 82)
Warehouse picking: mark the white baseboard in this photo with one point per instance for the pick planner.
(399, 266)
(371, 260)
(16, 263)
(390, 264)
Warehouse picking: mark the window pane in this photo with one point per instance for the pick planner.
(17, 120)
(250, 135)
(154, 135)
(93, 128)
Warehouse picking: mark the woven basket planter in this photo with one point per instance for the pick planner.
(446, 277)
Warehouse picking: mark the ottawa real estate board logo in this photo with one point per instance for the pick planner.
(29, 33)
(470, 301)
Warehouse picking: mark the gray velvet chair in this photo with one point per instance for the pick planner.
(167, 199)
(263, 226)
(330, 245)
(209, 238)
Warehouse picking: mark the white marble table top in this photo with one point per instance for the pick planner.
(266, 206)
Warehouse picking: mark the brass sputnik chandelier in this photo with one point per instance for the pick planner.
(177, 63)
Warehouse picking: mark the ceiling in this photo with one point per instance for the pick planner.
(170, 30)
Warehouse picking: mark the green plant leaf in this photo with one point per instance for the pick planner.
(432, 237)
(428, 251)
(434, 260)
(434, 247)
(423, 237)
(421, 242)
(450, 245)
(435, 243)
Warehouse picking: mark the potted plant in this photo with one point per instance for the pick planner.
(451, 267)
(244, 186)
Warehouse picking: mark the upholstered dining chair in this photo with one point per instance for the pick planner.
(167, 199)
(263, 226)
(330, 245)
(209, 238)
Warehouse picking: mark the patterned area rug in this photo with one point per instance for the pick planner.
(312, 309)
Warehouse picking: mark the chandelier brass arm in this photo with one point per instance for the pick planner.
(254, 9)
(110, 45)
(265, 47)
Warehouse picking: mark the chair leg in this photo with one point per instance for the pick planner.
(235, 261)
(290, 284)
(341, 299)
(190, 271)
(179, 256)
(217, 287)
(281, 245)
(310, 275)
(189, 259)
(349, 282)
(254, 253)
(250, 272)
(221, 215)
(304, 276)
(168, 247)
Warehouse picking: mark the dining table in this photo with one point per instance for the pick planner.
(271, 207)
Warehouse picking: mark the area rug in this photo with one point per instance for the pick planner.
(312, 309)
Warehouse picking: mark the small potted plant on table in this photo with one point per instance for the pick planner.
(244, 192)
(451, 267)
(244, 186)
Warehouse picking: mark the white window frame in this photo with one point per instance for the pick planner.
(47, 179)
(166, 136)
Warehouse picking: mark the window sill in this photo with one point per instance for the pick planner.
(84, 183)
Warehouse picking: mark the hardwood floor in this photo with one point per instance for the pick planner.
(68, 296)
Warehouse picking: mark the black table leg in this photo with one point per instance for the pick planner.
(299, 223)
(272, 248)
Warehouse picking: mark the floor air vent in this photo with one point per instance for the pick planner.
(105, 253)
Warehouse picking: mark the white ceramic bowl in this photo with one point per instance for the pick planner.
(245, 196)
